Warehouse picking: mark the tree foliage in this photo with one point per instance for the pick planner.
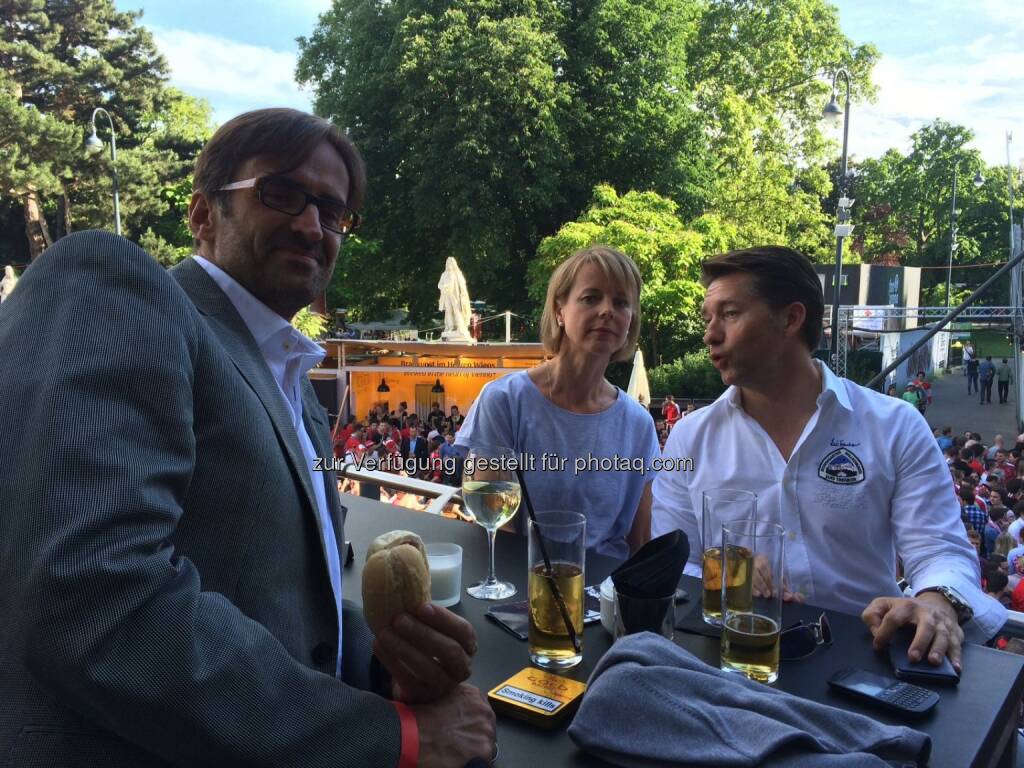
(59, 59)
(646, 226)
(903, 210)
(757, 69)
(487, 124)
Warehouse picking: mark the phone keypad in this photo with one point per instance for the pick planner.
(905, 695)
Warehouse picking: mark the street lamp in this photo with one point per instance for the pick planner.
(94, 146)
(833, 114)
(979, 181)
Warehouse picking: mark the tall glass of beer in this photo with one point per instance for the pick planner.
(720, 506)
(752, 617)
(557, 547)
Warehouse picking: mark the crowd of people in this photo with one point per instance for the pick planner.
(985, 372)
(400, 442)
(988, 481)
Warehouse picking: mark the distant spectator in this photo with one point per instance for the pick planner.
(670, 411)
(435, 419)
(971, 369)
(1004, 543)
(945, 440)
(996, 562)
(454, 420)
(987, 374)
(996, 586)
(975, 518)
(998, 443)
(924, 386)
(914, 396)
(994, 528)
(1005, 378)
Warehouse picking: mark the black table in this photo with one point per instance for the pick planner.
(974, 724)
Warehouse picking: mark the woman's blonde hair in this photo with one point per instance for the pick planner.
(618, 267)
(1004, 543)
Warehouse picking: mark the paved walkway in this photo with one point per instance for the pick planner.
(953, 407)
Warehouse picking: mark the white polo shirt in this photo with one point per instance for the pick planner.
(865, 481)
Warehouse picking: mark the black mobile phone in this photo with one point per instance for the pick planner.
(922, 671)
(894, 695)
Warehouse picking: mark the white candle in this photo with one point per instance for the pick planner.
(445, 562)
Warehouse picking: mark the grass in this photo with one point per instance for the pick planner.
(991, 342)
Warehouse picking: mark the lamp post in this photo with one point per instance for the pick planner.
(94, 146)
(833, 113)
(979, 180)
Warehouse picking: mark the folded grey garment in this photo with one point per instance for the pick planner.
(650, 703)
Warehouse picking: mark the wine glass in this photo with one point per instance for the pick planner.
(491, 494)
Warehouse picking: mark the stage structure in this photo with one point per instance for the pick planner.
(366, 372)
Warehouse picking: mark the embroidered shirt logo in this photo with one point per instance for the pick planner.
(841, 467)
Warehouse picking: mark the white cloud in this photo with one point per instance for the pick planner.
(233, 76)
(971, 86)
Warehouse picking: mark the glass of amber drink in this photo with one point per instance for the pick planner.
(752, 615)
(719, 506)
(556, 595)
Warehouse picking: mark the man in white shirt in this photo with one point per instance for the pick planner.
(854, 477)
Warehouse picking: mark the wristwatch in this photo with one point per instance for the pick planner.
(964, 612)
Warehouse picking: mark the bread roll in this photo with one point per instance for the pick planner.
(396, 578)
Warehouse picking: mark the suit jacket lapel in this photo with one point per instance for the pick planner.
(314, 417)
(238, 342)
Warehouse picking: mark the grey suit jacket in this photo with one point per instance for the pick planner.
(165, 594)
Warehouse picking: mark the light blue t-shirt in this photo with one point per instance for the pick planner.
(593, 463)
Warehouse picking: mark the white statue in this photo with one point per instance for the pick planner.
(7, 284)
(454, 303)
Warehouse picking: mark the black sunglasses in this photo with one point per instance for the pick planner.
(286, 196)
(801, 640)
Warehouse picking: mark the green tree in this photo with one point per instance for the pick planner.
(486, 124)
(456, 108)
(757, 70)
(646, 226)
(904, 204)
(692, 375)
(59, 59)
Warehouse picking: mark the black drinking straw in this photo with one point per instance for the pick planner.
(548, 573)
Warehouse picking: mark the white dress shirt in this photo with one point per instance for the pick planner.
(865, 481)
(290, 356)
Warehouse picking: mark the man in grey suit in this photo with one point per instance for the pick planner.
(172, 585)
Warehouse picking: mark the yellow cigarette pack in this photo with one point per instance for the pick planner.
(538, 697)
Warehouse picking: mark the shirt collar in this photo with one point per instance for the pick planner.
(268, 328)
(832, 386)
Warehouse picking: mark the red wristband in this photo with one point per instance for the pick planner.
(410, 754)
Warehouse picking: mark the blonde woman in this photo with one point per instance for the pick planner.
(591, 445)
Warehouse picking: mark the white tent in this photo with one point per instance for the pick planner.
(638, 387)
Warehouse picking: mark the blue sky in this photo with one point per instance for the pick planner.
(961, 60)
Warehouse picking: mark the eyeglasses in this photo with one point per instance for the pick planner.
(801, 640)
(284, 195)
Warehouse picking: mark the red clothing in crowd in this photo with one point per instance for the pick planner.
(1017, 600)
(671, 413)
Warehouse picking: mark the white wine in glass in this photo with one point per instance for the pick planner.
(491, 495)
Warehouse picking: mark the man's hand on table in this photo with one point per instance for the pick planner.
(938, 633)
(427, 653)
(455, 729)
